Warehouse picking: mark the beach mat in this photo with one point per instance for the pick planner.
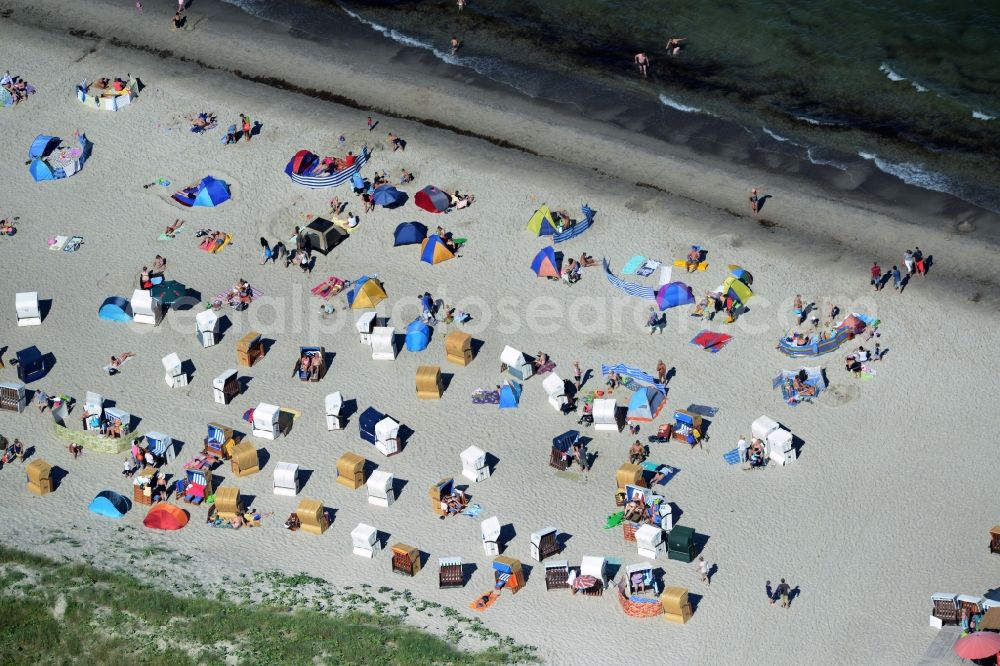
(479, 605)
(680, 263)
(711, 341)
(472, 511)
(633, 265)
(668, 472)
(732, 457)
(647, 268)
(485, 397)
(548, 367)
(58, 243)
(614, 520)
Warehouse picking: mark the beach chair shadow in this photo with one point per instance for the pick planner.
(225, 323)
(694, 600)
(244, 381)
(44, 306)
(397, 486)
(700, 541)
(476, 344)
(527, 569)
(57, 474)
(348, 409)
(675, 512)
(468, 569)
(613, 567)
(507, 534)
(382, 539)
(188, 368)
(446, 378)
(405, 433)
(492, 462)
(263, 457)
(304, 476)
(563, 538)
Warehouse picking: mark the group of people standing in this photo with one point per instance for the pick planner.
(914, 262)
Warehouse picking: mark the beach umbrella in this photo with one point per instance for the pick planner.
(388, 196)
(168, 292)
(740, 274)
(584, 582)
(673, 294)
(979, 645)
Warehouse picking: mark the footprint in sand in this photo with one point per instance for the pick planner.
(641, 206)
(840, 395)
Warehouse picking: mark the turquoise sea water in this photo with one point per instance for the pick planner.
(909, 86)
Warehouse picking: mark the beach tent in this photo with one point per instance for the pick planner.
(109, 504)
(409, 233)
(117, 309)
(365, 293)
(673, 294)
(68, 162)
(737, 289)
(510, 395)
(165, 517)
(210, 193)
(740, 274)
(645, 405)
(434, 251)
(168, 293)
(545, 263)
(388, 196)
(432, 200)
(418, 336)
(575, 230)
(542, 223)
(303, 162)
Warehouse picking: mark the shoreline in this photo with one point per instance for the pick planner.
(873, 212)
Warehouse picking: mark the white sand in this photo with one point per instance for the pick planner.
(884, 507)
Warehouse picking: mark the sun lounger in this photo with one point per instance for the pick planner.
(73, 244)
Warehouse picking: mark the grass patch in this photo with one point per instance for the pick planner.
(112, 618)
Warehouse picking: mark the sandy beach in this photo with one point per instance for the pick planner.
(881, 510)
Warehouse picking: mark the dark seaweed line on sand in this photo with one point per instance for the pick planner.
(325, 95)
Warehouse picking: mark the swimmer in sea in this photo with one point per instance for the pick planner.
(455, 44)
(642, 62)
(675, 44)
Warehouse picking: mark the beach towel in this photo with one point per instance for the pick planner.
(614, 520)
(255, 293)
(472, 511)
(732, 457)
(342, 224)
(57, 243)
(484, 601)
(485, 397)
(633, 265)
(165, 237)
(73, 244)
(647, 268)
(209, 245)
(329, 287)
(681, 263)
(549, 366)
(667, 471)
(711, 341)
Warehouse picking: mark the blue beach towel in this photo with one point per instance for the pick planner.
(633, 265)
(732, 457)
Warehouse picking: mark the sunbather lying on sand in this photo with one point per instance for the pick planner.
(173, 228)
(117, 362)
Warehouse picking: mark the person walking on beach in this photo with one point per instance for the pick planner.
(661, 372)
(577, 375)
(769, 592)
(896, 277)
(642, 62)
(461, 5)
(754, 200)
(908, 261)
(653, 321)
(138, 6)
(704, 568)
(876, 276)
(396, 142)
(674, 45)
(455, 45)
(741, 448)
(783, 591)
(247, 128)
(918, 260)
(266, 253)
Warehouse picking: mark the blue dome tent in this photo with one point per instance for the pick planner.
(388, 196)
(510, 395)
(116, 309)
(418, 336)
(46, 166)
(409, 233)
(210, 192)
(109, 504)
